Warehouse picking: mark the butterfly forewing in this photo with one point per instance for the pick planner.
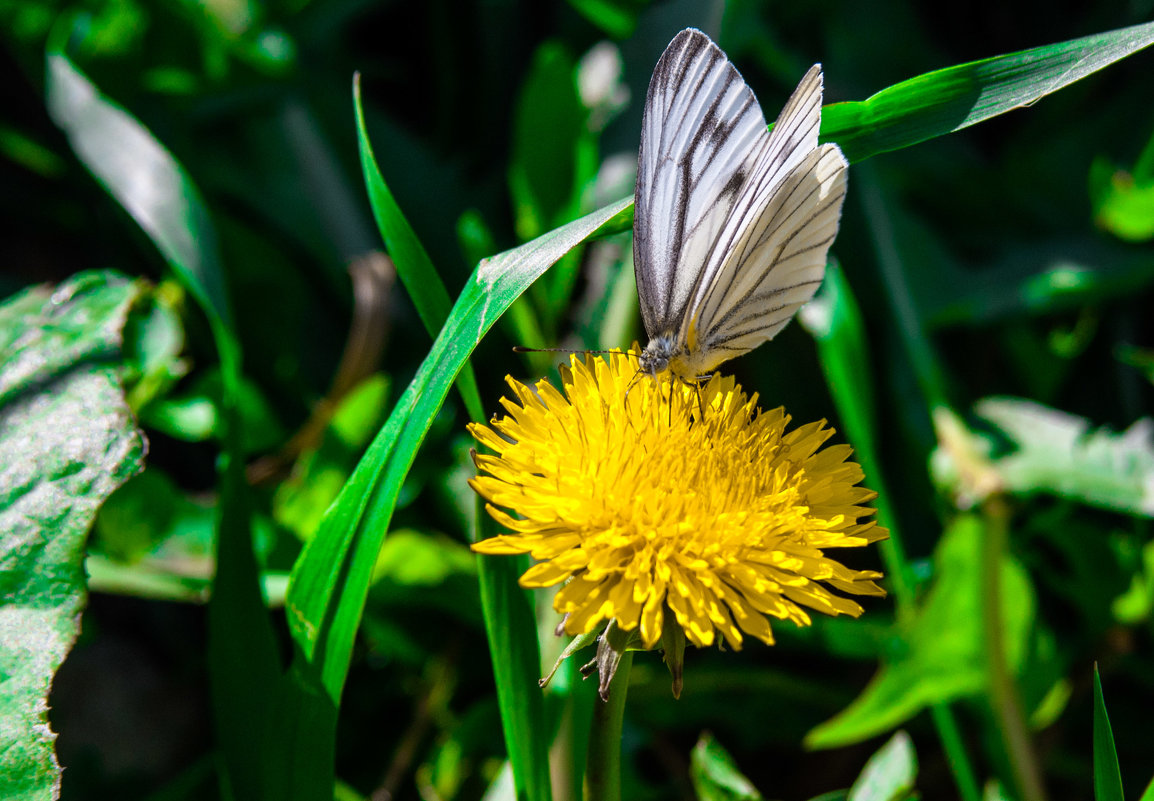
(702, 134)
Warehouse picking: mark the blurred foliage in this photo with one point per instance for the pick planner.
(989, 316)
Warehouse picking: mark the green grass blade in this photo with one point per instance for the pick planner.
(148, 182)
(1107, 774)
(953, 98)
(141, 175)
(331, 578)
(511, 628)
(414, 267)
(943, 101)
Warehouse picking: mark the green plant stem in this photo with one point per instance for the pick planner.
(603, 764)
(959, 761)
(1004, 700)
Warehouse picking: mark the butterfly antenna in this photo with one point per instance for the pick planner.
(523, 349)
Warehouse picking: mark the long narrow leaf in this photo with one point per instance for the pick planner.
(331, 578)
(943, 101)
(412, 261)
(953, 98)
(141, 175)
(1107, 774)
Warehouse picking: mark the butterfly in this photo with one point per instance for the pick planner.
(732, 223)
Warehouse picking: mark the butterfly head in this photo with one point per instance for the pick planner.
(657, 354)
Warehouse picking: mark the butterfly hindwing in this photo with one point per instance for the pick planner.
(776, 264)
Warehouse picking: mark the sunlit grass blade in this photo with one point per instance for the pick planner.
(511, 628)
(140, 174)
(947, 100)
(953, 98)
(412, 261)
(331, 578)
(1107, 774)
(145, 179)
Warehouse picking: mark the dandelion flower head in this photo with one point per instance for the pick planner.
(645, 498)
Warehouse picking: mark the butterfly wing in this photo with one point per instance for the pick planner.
(771, 254)
(701, 136)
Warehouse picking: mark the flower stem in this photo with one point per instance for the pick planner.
(603, 764)
(1004, 701)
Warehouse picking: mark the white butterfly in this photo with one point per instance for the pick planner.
(732, 223)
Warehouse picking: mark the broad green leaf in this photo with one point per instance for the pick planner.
(412, 262)
(1122, 205)
(87, 328)
(890, 773)
(1148, 794)
(1107, 774)
(1137, 603)
(944, 657)
(331, 578)
(67, 440)
(1058, 453)
(716, 776)
(953, 98)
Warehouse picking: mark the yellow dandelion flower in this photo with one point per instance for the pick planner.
(644, 497)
